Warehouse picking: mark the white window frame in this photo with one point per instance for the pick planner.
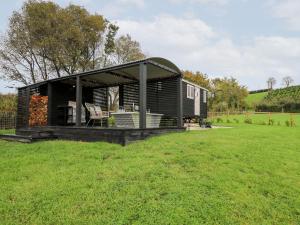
(204, 96)
(190, 91)
(159, 85)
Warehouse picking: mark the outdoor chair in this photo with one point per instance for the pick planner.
(72, 113)
(96, 113)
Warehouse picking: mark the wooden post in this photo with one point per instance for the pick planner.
(27, 103)
(107, 99)
(121, 96)
(78, 100)
(49, 93)
(143, 94)
(179, 103)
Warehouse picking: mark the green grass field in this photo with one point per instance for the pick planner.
(279, 119)
(249, 174)
(255, 98)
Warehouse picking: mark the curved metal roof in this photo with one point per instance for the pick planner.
(128, 72)
(165, 62)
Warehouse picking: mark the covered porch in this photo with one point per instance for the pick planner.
(150, 102)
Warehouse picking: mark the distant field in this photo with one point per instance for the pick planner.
(259, 118)
(255, 98)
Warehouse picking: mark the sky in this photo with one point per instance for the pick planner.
(249, 40)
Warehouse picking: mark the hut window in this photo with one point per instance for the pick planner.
(204, 96)
(190, 91)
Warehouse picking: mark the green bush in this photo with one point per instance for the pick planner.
(278, 123)
(262, 123)
(271, 122)
(248, 121)
(111, 121)
(236, 120)
(228, 121)
(219, 120)
(287, 123)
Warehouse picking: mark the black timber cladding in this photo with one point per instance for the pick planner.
(119, 136)
(23, 108)
(203, 105)
(189, 104)
(100, 97)
(161, 98)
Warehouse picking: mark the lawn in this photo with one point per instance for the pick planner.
(255, 98)
(249, 174)
(279, 119)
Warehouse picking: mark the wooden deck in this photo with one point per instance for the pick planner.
(121, 136)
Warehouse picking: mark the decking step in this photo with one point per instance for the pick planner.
(25, 139)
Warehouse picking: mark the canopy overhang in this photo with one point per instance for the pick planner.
(157, 68)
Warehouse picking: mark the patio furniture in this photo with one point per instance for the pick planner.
(132, 119)
(71, 107)
(64, 114)
(96, 113)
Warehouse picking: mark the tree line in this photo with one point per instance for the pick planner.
(46, 41)
(226, 94)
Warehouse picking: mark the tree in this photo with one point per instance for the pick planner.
(228, 95)
(287, 81)
(197, 78)
(271, 82)
(126, 50)
(45, 41)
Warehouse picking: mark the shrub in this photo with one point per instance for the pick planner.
(287, 123)
(262, 123)
(111, 121)
(292, 123)
(271, 122)
(228, 121)
(248, 120)
(278, 123)
(219, 120)
(210, 121)
(236, 120)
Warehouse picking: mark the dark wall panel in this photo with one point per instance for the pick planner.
(100, 98)
(62, 93)
(23, 108)
(161, 98)
(130, 94)
(203, 106)
(188, 104)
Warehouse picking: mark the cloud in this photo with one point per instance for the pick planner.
(193, 44)
(205, 2)
(136, 3)
(289, 11)
(115, 8)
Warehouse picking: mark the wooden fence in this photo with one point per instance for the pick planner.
(7, 120)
